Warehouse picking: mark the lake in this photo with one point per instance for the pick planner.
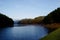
(29, 32)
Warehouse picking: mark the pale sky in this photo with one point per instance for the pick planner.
(20, 9)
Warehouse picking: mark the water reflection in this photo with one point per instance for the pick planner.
(30, 32)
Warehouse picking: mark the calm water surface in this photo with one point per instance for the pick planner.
(30, 32)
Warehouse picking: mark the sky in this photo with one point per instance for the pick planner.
(20, 9)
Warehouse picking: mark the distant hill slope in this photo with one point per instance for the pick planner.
(55, 35)
(36, 20)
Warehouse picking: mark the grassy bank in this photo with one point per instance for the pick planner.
(55, 35)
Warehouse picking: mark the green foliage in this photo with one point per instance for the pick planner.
(53, 17)
(55, 35)
(5, 21)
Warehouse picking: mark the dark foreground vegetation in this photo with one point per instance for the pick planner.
(5, 21)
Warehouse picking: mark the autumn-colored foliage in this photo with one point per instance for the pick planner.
(36, 20)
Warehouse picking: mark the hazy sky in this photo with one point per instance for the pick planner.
(19, 9)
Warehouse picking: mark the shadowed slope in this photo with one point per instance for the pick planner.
(5, 21)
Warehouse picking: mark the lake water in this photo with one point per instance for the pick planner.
(29, 32)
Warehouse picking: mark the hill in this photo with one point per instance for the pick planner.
(36, 20)
(5, 21)
(52, 20)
